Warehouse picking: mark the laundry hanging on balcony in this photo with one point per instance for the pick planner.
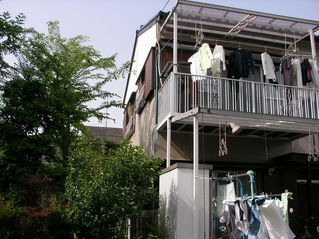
(205, 61)
(286, 70)
(298, 71)
(314, 75)
(306, 71)
(205, 57)
(218, 61)
(268, 68)
(240, 64)
(195, 67)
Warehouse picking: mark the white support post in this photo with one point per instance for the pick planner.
(128, 228)
(168, 143)
(313, 47)
(195, 177)
(175, 44)
(172, 79)
(172, 94)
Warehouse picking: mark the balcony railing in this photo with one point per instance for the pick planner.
(183, 92)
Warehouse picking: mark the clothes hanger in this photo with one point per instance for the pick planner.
(199, 35)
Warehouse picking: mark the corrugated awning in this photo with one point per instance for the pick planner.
(222, 23)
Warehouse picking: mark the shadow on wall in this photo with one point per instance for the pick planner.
(168, 212)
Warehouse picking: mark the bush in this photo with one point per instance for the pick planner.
(33, 210)
(105, 187)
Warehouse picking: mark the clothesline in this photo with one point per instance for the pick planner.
(266, 196)
(295, 55)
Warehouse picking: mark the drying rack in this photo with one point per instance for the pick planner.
(231, 177)
(235, 177)
(251, 175)
(289, 55)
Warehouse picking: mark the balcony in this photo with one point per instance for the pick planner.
(282, 110)
(140, 100)
(130, 128)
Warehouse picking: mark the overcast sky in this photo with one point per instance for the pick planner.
(111, 24)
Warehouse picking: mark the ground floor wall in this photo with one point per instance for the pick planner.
(176, 201)
(292, 172)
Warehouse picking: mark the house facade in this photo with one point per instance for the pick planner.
(251, 108)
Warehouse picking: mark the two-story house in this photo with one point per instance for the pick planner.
(218, 89)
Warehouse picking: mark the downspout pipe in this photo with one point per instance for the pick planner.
(195, 176)
(154, 130)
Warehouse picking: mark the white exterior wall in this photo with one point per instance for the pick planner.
(144, 43)
(176, 190)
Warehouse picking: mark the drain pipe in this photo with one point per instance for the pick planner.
(154, 130)
(195, 177)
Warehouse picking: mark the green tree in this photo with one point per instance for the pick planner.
(11, 36)
(104, 189)
(45, 102)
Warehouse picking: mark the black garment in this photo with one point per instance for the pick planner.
(241, 212)
(306, 72)
(240, 63)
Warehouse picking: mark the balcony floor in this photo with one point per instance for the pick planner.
(251, 125)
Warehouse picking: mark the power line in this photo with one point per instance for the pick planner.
(165, 4)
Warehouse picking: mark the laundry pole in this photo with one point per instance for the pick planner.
(313, 48)
(172, 94)
(175, 44)
(195, 178)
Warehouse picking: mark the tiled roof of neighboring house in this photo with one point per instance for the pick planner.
(110, 134)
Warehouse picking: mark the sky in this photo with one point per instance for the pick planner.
(111, 24)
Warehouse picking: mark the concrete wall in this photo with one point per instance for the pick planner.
(176, 200)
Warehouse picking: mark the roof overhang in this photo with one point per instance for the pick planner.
(228, 24)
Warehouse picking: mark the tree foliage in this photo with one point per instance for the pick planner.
(104, 189)
(11, 37)
(45, 103)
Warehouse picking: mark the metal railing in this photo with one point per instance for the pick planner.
(164, 98)
(183, 92)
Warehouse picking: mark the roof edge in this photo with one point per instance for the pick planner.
(240, 10)
(139, 32)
